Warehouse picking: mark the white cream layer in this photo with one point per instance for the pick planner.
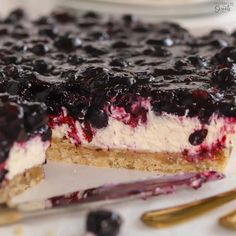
(165, 133)
(26, 155)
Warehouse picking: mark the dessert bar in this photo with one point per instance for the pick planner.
(123, 93)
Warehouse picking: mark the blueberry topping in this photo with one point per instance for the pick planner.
(63, 16)
(75, 60)
(87, 63)
(119, 62)
(97, 117)
(91, 14)
(49, 31)
(94, 51)
(15, 16)
(40, 66)
(197, 137)
(39, 49)
(224, 77)
(120, 44)
(128, 19)
(67, 42)
(11, 71)
(3, 31)
(103, 223)
(161, 42)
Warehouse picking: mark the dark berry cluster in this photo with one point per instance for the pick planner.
(86, 63)
(103, 223)
(20, 121)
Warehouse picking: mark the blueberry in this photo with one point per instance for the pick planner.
(197, 60)
(97, 117)
(219, 43)
(40, 49)
(19, 34)
(120, 44)
(101, 35)
(198, 136)
(161, 42)
(3, 31)
(49, 31)
(67, 42)
(15, 16)
(40, 66)
(128, 19)
(34, 117)
(233, 34)
(226, 56)
(11, 59)
(91, 14)
(20, 47)
(103, 223)
(43, 20)
(94, 51)
(4, 144)
(141, 28)
(75, 60)
(180, 63)
(119, 62)
(63, 16)
(224, 77)
(157, 51)
(2, 76)
(11, 71)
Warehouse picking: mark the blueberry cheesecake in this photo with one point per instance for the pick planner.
(124, 93)
(24, 139)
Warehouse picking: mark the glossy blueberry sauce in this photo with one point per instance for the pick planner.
(88, 63)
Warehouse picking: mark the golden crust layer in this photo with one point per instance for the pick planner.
(21, 182)
(63, 150)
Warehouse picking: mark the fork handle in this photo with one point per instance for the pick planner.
(10, 216)
(174, 215)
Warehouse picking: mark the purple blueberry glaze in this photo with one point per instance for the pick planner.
(84, 60)
(88, 63)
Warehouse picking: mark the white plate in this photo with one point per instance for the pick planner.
(66, 177)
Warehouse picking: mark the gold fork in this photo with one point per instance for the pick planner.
(179, 214)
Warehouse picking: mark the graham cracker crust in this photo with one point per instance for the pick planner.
(21, 182)
(64, 150)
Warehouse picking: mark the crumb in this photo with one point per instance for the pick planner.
(19, 231)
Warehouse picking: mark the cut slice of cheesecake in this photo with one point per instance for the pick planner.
(124, 93)
(167, 142)
(24, 139)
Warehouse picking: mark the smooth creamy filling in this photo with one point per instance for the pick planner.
(26, 155)
(164, 133)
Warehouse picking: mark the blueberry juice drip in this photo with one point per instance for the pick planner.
(87, 63)
(19, 122)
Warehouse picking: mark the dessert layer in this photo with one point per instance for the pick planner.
(21, 182)
(63, 150)
(24, 135)
(86, 63)
(163, 133)
(24, 156)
